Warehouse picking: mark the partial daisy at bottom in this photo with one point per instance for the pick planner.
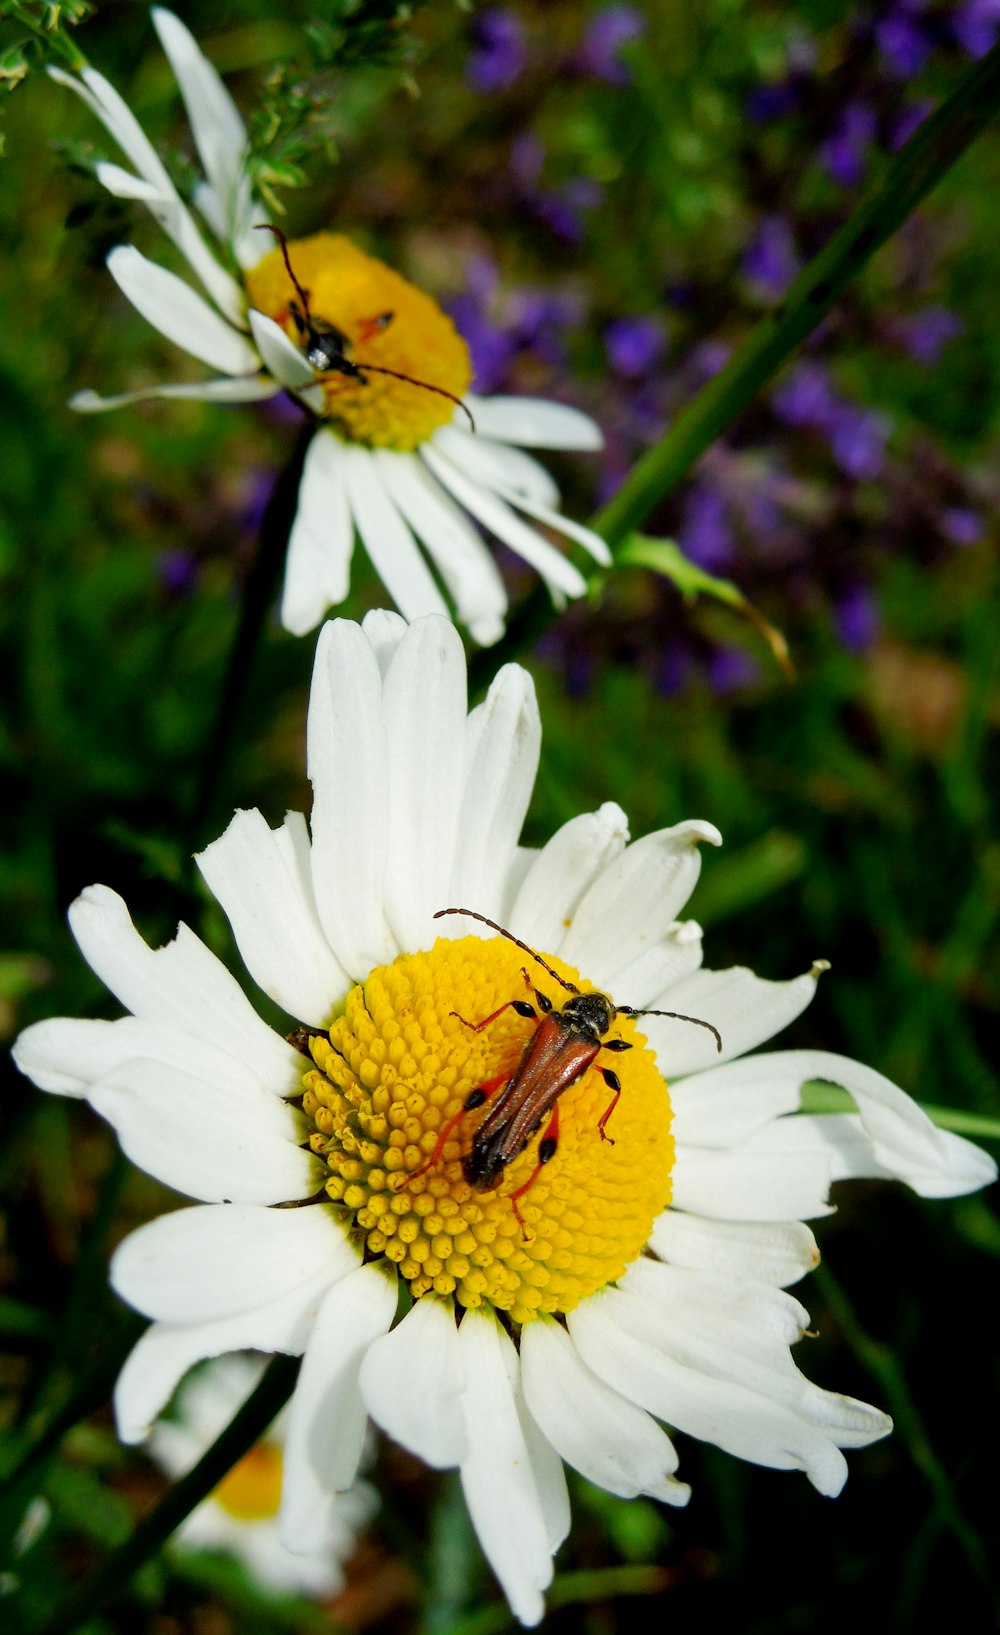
(240, 1518)
(392, 459)
(580, 1311)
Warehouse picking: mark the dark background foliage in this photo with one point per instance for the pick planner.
(606, 199)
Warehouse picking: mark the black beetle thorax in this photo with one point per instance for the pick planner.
(588, 1014)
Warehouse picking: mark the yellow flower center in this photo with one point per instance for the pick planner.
(251, 1491)
(400, 1063)
(352, 293)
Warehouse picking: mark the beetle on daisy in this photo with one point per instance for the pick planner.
(650, 1290)
(393, 457)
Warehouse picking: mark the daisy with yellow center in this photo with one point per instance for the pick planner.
(241, 1516)
(395, 461)
(597, 1287)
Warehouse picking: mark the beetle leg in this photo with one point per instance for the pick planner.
(368, 328)
(614, 1083)
(520, 1005)
(546, 1151)
(474, 1099)
(617, 1044)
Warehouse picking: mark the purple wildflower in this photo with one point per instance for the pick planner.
(500, 53)
(178, 570)
(634, 346)
(975, 26)
(962, 526)
(857, 440)
(805, 397)
(845, 151)
(857, 619)
(730, 670)
(771, 260)
(925, 334)
(705, 534)
(903, 45)
(607, 31)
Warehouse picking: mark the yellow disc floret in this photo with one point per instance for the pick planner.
(251, 1491)
(354, 293)
(399, 1063)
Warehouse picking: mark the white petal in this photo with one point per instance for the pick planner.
(387, 539)
(599, 1433)
(281, 356)
(634, 903)
(424, 704)
(124, 184)
(327, 1422)
(503, 738)
(182, 985)
(749, 1184)
(211, 1141)
(68, 1056)
(745, 1009)
(563, 871)
(167, 1350)
(902, 1138)
(180, 313)
(653, 972)
(385, 630)
(274, 922)
(549, 1474)
(464, 563)
(740, 1334)
(532, 422)
(317, 572)
(724, 1106)
(214, 1260)
(511, 467)
(347, 759)
(497, 1476)
(486, 463)
(215, 123)
(247, 389)
(557, 570)
(778, 1254)
(412, 1380)
(724, 1413)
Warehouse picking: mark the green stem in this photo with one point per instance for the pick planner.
(907, 179)
(258, 594)
(116, 1571)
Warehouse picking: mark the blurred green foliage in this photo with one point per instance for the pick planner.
(857, 802)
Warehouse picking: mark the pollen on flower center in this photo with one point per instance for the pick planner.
(251, 1490)
(399, 1063)
(352, 293)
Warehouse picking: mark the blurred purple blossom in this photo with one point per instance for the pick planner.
(730, 670)
(961, 525)
(903, 44)
(769, 102)
(561, 210)
(178, 570)
(705, 534)
(976, 25)
(634, 346)
(925, 334)
(500, 54)
(907, 122)
(845, 151)
(598, 53)
(771, 261)
(857, 440)
(805, 397)
(856, 436)
(705, 361)
(857, 619)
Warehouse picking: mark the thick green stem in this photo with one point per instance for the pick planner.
(116, 1571)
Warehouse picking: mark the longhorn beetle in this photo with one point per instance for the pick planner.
(325, 345)
(562, 1047)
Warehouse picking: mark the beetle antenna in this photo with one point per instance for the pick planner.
(471, 914)
(377, 369)
(265, 227)
(629, 1010)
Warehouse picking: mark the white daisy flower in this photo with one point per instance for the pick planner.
(395, 461)
(241, 1516)
(646, 1285)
